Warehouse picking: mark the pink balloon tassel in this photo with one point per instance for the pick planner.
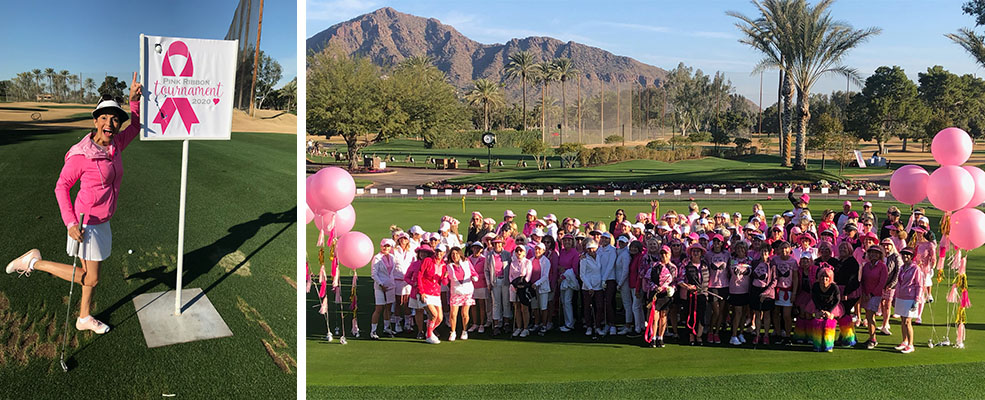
(338, 294)
(945, 243)
(352, 304)
(321, 238)
(960, 333)
(324, 282)
(331, 236)
(963, 265)
(307, 278)
(965, 301)
(952, 295)
(324, 306)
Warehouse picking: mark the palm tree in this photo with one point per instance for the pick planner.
(73, 82)
(487, 93)
(564, 70)
(808, 44)
(763, 34)
(546, 73)
(971, 42)
(37, 78)
(63, 86)
(89, 85)
(50, 74)
(522, 66)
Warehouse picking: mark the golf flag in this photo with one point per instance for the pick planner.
(188, 88)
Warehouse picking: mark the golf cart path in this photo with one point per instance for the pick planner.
(410, 178)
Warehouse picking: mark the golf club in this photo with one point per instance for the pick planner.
(68, 307)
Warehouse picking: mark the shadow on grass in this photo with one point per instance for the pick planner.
(14, 133)
(203, 260)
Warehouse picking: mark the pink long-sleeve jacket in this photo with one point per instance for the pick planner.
(99, 171)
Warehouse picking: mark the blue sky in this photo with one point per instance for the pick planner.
(99, 37)
(664, 33)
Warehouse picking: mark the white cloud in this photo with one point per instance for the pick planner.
(338, 10)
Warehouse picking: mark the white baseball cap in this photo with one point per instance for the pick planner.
(532, 212)
(444, 227)
(509, 213)
(110, 106)
(416, 230)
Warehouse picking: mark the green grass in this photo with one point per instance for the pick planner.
(240, 244)
(362, 182)
(705, 170)
(570, 366)
(401, 148)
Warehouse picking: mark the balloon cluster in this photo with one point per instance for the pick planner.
(953, 188)
(329, 194)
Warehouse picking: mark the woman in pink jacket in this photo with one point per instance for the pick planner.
(96, 162)
(909, 293)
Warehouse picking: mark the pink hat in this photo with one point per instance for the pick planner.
(509, 213)
(532, 212)
(696, 246)
(425, 247)
(642, 216)
(806, 198)
(809, 238)
(550, 217)
(871, 235)
(477, 214)
(387, 242)
(488, 221)
(848, 203)
(718, 237)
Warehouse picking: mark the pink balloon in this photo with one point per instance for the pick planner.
(354, 249)
(979, 176)
(968, 229)
(331, 188)
(323, 221)
(950, 188)
(345, 219)
(308, 215)
(951, 146)
(909, 184)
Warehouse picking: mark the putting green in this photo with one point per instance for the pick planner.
(240, 216)
(572, 365)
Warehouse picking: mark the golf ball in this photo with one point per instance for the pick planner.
(130, 251)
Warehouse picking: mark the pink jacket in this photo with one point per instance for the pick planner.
(99, 172)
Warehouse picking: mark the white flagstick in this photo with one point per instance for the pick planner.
(181, 226)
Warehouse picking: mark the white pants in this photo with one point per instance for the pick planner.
(637, 311)
(627, 302)
(501, 300)
(567, 295)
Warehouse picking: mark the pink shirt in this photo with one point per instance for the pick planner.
(569, 259)
(784, 271)
(910, 283)
(99, 172)
(521, 267)
(739, 275)
(717, 269)
(874, 277)
(479, 264)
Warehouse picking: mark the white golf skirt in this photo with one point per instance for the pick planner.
(97, 241)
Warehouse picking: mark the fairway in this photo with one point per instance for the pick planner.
(240, 247)
(572, 366)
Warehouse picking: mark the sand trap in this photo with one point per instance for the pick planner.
(266, 121)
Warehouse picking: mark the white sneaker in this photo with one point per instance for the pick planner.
(612, 330)
(22, 264)
(373, 335)
(91, 324)
(734, 341)
(588, 332)
(524, 333)
(564, 328)
(482, 329)
(433, 339)
(451, 337)
(622, 331)
(516, 332)
(600, 331)
(885, 331)
(543, 329)
(742, 339)
(397, 328)
(465, 336)
(473, 328)
(907, 350)
(550, 325)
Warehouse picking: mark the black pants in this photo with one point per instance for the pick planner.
(695, 306)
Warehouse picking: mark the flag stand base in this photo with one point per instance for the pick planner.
(199, 320)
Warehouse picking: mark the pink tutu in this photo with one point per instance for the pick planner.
(459, 300)
(804, 302)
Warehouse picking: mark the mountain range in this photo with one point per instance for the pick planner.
(387, 37)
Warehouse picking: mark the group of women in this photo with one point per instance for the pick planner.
(700, 277)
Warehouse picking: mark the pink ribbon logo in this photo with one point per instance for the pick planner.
(179, 104)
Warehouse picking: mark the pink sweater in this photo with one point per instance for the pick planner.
(99, 171)
(874, 278)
